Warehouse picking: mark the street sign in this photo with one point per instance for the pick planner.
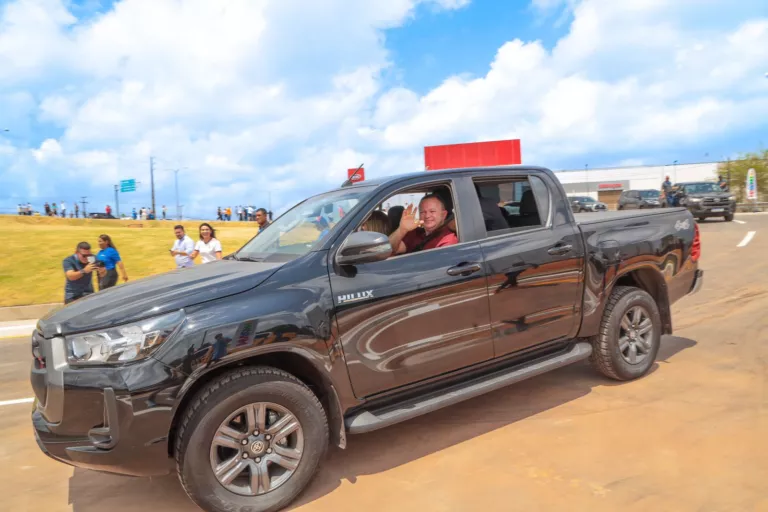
(360, 176)
(128, 185)
(751, 185)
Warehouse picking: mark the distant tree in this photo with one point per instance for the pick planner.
(738, 174)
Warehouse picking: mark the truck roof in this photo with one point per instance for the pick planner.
(447, 173)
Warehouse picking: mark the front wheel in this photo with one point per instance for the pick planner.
(250, 441)
(630, 335)
(729, 218)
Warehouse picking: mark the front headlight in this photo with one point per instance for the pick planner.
(122, 344)
(694, 199)
(731, 198)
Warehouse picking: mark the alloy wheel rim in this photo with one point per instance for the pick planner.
(636, 335)
(256, 449)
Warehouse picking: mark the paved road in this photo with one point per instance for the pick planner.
(689, 436)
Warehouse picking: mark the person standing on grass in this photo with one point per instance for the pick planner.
(208, 247)
(109, 256)
(78, 271)
(63, 209)
(183, 248)
(165, 212)
(77, 211)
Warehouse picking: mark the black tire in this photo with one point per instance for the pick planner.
(213, 404)
(729, 218)
(606, 356)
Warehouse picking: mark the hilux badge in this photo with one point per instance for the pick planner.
(355, 297)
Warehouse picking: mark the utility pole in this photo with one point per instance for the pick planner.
(117, 203)
(586, 170)
(176, 180)
(84, 202)
(152, 182)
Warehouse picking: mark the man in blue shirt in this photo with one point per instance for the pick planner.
(79, 273)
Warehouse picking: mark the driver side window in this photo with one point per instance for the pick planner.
(425, 213)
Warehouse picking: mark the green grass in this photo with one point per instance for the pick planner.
(31, 261)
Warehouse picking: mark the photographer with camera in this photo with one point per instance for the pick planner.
(78, 269)
(108, 258)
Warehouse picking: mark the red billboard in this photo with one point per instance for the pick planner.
(360, 176)
(472, 154)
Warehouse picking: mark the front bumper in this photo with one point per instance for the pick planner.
(720, 210)
(698, 281)
(113, 419)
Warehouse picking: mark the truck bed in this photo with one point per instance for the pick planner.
(586, 219)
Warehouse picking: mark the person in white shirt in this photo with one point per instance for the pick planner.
(208, 248)
(182, 248)
(63, 209)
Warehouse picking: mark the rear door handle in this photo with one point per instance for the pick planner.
(464, 270)
(559, 250)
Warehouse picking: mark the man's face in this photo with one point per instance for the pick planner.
(83, 254)
(179, 233)
(261, 218)
(432, 213)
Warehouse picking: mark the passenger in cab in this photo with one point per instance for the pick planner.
(377, 222)
(429, 232)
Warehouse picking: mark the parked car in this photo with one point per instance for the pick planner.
(637, 199)
(238, 374)
(580, 204)
(706, 199)
(100, 215)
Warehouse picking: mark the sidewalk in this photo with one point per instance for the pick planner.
(30, 313)
(17, 328)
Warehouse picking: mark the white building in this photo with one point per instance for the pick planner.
(606, 185)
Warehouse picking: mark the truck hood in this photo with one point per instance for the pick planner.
(156, 295)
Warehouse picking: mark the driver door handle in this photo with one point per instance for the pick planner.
(464, 270)
(560, 249)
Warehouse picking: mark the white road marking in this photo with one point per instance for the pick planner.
(747, 239)
(23, 326)
(17, 401)
(739, 221)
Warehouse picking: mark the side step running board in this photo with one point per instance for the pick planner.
(367, 421)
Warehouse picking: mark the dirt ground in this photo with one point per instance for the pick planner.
(690, 436)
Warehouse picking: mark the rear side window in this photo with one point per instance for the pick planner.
(512, 204)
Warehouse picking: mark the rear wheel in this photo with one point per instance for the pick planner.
(250, 441)
(630, 335)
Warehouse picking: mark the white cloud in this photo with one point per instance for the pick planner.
(49, 149)
(252, 95)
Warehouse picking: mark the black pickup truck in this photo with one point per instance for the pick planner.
(241, 372)
(706, 199)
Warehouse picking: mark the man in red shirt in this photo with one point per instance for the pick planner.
(429, 232)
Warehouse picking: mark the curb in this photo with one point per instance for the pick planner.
(33, 312)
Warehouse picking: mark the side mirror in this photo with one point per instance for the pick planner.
(364, 247)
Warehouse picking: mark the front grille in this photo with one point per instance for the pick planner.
(715, 201)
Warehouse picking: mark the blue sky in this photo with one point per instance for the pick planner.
(274, 100)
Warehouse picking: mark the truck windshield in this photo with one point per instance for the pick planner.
(649, 194)
(304, 227)
(702, 188)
